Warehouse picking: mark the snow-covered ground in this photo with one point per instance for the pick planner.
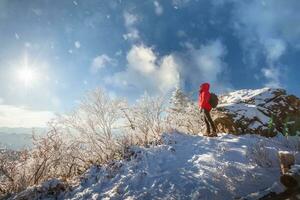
(191, 167)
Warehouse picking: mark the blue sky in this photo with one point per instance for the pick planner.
(53, 51)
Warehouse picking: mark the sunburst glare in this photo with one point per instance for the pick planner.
(27, 74)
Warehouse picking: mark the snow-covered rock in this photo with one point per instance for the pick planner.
(263, 111)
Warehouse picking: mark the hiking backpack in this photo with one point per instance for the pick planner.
(213, 100)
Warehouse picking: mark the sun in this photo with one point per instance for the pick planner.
(26, 75)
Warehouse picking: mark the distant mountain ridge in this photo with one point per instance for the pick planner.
(15, 141)
(21, 130)
(18, 138)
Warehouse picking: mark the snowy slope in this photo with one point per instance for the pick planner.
(189, 167)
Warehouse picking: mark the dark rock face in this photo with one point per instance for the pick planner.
(263, 111)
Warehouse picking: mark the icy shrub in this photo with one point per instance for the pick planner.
(96, 125)
(11, 177)
(146, 120)
(52, 156)
(98, 132)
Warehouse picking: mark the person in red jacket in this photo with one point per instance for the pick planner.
(205, 108)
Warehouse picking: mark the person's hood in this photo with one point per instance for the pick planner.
(204, 87)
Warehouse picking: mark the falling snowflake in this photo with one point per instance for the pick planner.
(77, 44)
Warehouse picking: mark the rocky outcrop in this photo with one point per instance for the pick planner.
(263, 111)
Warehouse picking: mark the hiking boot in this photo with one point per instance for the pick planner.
(213, 135)
(206, 134)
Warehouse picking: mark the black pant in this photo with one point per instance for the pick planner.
(208, 121)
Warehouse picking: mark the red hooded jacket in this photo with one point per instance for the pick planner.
(204, 96)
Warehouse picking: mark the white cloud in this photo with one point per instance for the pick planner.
(77, 44)
(130, 21)
(179, 3)
(205, 64)
(1, 100)
(209, 59)
(263, 25)
(158, 8)
(268, 27)
(272, 74)
(142, 59)
(133, 34)
(147, 72)
(13, 116)
(262, 19)
(168, 74)
(275, 48)
(101, 62)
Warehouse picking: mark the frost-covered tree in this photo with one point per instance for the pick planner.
(147, 119)
(183, 113)
(195, 123)
(177, 111)
(97, 122)
(178, 101)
